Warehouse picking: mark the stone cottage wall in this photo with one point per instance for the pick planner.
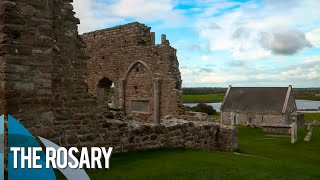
(256, 119)
(291, 108)
(113, 51)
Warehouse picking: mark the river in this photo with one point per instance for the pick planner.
(301, 105)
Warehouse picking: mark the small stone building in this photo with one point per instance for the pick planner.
(145, 76)
(259, 106)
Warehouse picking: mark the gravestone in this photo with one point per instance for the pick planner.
(309, 135)
(310, 129)
(294, 127)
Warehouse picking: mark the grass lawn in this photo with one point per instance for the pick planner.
(215, 116)
(213, 98)
(204, 98)
(312, 116)
(262, 157)
(312, 97)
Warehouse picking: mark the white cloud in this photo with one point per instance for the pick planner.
(284, 41)
(314, 37)
(94, 14)
(206, 58)
(313, 59)
(147, 10)
(240, 29)
(308, 70)
(232, 27)
(313, 75)
(194, 76)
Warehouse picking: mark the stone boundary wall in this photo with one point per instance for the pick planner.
(134, 136)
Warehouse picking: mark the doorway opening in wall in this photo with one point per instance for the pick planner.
(105, 92)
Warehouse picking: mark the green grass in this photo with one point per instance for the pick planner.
(213, 98)
(269, 158)
(312, 116)
(311, 97)
(204, 98)
(215, 116)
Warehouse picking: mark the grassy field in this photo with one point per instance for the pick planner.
(213, 98)
(312, 116)
(204, 98)
(313, 97)
(261, 157)
(215, 116)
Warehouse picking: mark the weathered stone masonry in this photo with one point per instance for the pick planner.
(43, 67)
(141, 71)
(43, 74)
(134, 136)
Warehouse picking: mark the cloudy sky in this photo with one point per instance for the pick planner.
(222, 42)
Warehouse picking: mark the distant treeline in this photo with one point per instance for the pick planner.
(307, 90)
(219, 90)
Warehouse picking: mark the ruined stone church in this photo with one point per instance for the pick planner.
(146, 76)
(55, 83)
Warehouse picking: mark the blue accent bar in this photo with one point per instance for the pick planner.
(19, 136)
(2, 147)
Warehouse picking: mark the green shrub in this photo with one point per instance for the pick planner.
(204, 108)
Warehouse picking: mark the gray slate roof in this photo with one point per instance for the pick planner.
(255, 99)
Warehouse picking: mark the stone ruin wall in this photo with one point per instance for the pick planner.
(127, 137)
(44, 69)
(43, 73)
(115, 54)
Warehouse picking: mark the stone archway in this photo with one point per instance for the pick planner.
(155, 87)
(103, 91)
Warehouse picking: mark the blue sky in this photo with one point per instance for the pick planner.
(225, 42)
